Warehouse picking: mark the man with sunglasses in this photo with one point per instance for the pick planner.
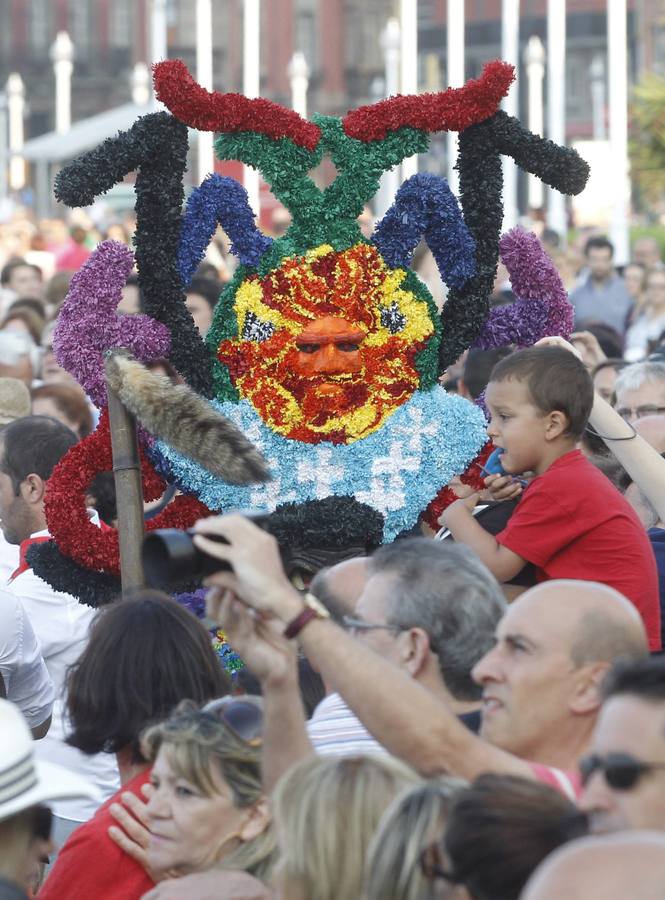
(540, 682)
(624, 773)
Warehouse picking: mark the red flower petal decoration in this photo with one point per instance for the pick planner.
(66, 514)
(212, 111)
(473, 476)
(452, 110)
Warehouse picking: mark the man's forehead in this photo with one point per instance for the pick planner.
(645, 393)
(536, 621)
(379, 589)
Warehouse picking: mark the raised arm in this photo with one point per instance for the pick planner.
(401, 714)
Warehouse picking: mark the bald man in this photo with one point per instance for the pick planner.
(338, 587)
(621, 867)
(540, 682)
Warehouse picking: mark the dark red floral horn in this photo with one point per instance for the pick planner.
(212, 111)
(451, 110)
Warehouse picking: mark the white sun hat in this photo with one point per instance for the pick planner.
(24, 782)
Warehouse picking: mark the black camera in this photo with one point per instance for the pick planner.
(171, 558)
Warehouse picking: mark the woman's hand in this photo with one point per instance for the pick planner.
(132, 833)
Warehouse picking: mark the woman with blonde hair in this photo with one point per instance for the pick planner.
(207, 806)
(326, 810)
(404, 859)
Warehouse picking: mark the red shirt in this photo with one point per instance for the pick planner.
(91, 866)
(567, 783)
(571, 522)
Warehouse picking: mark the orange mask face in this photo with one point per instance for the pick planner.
(327, 344)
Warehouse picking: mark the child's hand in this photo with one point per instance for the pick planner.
(503, 487)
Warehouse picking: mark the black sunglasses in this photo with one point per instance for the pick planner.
(242, 717)
(620, 770)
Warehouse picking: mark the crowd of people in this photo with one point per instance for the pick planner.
(477, 713)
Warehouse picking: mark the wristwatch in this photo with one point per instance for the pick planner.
(313, 609)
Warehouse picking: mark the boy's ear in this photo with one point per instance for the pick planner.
(557, 424)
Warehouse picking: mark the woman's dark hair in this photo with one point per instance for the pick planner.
(145, 655)
(501, 828)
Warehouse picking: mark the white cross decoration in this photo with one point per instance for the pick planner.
(416, 429)
(320, 472)
(269, 494)
(386, 490)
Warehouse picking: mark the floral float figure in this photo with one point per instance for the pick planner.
(326, 348)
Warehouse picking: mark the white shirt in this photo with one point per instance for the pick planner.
(9, 558)
(27, 681)
(62, 624)
(335, 731)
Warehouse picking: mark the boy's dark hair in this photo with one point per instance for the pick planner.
(145, 655)
(501, 828)
(643, 678)
(33, 445)
(556, 380)
(478, 366)
(598, 242)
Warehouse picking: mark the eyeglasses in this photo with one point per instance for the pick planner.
(353, 624)
(620, 770)
(639, 412)
(242, 717)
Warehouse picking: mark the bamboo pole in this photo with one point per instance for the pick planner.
(128, 489)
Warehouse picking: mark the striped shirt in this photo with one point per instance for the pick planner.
(335, 731)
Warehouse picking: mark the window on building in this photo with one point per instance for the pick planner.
(80, 27)
(120, 23)
(39, 25)
(306, 36)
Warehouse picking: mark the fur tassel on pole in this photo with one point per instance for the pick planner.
(185, 421)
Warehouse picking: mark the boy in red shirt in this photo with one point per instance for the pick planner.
(571, 522)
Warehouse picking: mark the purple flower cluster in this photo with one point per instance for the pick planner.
(542, 308)
(89, 324)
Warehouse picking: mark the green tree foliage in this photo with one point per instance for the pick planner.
(647, 144)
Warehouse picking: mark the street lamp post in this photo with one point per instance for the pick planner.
(204, 139)
(158, 31)
(618, 77)
(597, 78)
(298, 72)
(140, 84)
(390, 45)
(62, 56)
(556, 104)
(455, 65)
(16, 105)
(409, 66)
(4, 147)
(251, 85)
(534, 58)
(510, 24)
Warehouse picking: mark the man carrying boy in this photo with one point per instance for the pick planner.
(571, 523)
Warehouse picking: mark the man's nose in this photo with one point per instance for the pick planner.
(486, 669)
(596, 795)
